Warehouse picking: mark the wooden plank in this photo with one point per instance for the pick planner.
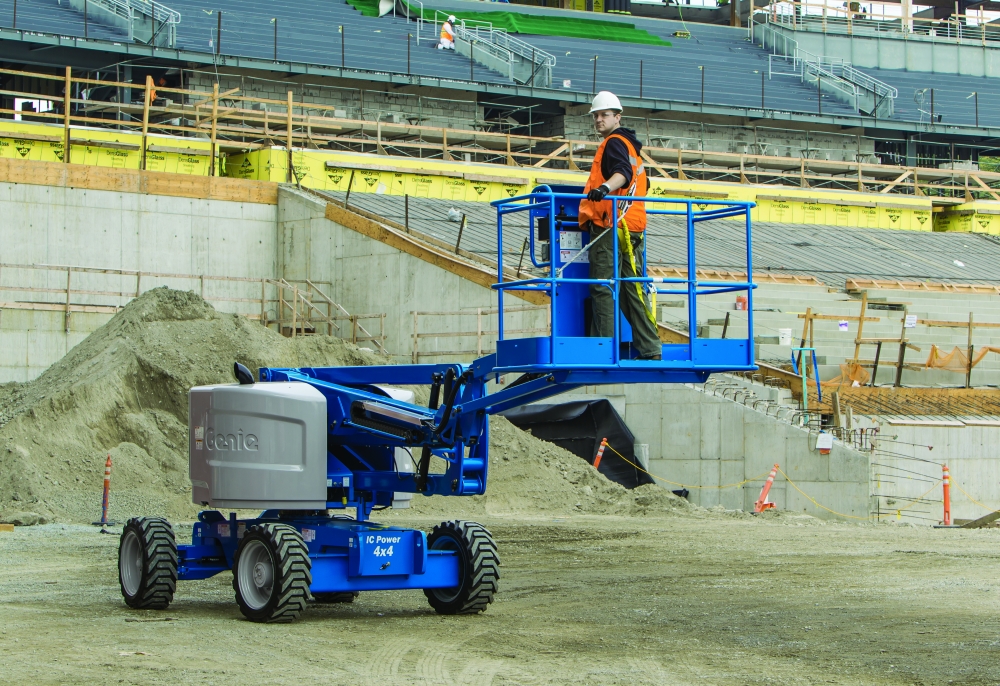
(984, 186)
(837, 318)
(552, 155)
(895, 182)
(958, 325)
(134, 181)
(983, 521)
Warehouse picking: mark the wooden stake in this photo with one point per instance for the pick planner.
(288, 139)
(968, 368)
(835, 398)
(805, 331)
(902, 352)
(67, 104)
(145, 119)
(215, 126)
(861, 326)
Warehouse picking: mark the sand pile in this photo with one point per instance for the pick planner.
(531, 476)
(124, 390)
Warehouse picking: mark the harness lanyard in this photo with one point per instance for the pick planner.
(623, 236)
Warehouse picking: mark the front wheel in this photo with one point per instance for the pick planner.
(272, 573)
(478, 568)
(147, 563)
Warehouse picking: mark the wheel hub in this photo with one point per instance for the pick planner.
(262, 575)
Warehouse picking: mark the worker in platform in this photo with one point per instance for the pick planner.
(448, 34)
(617, 170)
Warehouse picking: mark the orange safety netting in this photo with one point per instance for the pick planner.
(957, 360)
(851, 374)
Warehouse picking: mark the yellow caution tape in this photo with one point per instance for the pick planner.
(985, 507)
(675, 483)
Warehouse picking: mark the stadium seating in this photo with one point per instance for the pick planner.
(732, 66)
(54, 16)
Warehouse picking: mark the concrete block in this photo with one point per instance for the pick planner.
(644, 421)
(848, 465)
(764, 446)
(711, 430)
(680, 471)
(731, 430)
(803, 464)
(681, 433)
(847, 498)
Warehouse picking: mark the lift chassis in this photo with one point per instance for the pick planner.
(301, 444)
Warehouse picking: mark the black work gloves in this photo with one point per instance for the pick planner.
(597, 194)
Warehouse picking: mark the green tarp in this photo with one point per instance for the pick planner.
(513, 22)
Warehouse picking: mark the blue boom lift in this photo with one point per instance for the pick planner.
(303, 443)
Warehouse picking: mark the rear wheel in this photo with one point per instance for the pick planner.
(478, 568)
(147, 563)
(272, 573)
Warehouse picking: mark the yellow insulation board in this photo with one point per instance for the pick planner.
(458, 181)
(104, 148)
(981, 216)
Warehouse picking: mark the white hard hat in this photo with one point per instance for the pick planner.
(451, 18)
(605, 100)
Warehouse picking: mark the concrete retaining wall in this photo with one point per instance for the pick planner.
(708, 441)
(53, 225)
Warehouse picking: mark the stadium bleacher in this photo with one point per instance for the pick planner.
(54, 16)
(829, 253)
(731, 65)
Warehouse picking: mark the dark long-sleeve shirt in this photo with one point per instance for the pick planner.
(615, 158)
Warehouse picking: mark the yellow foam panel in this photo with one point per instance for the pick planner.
(439, 179)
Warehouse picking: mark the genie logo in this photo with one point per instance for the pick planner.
(238, 441)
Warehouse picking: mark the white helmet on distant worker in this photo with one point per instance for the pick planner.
(451, 18)
(605, 100)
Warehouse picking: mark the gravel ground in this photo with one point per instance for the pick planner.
(583, 599)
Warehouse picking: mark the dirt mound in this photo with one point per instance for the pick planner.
(123, 390)
(528, 475)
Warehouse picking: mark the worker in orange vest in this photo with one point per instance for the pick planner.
(448, 34)
(617, 170)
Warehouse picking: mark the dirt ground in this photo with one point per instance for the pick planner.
(583, 599)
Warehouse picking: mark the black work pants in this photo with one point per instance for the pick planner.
(602, 266)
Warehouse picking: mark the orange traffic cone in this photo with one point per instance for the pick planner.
(762, 503)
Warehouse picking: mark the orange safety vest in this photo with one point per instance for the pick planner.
(447, 33)
(600, 212)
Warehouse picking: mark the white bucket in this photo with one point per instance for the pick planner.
(784, 336)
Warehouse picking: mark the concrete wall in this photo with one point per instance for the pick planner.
(371, 277)
(906, 466)
(698, 438)
(52, 225)
(888, 51)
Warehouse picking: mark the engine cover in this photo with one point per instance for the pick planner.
(259, 445)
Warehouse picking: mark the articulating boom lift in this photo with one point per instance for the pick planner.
(304, 442)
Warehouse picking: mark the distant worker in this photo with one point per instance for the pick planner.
(448, 34)
(617, 170)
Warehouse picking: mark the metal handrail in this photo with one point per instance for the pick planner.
(838, 71)
(127, 9)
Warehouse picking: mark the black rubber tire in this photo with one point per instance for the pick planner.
(150, 543)
(291, 569)
(478, 568)
(345, 597)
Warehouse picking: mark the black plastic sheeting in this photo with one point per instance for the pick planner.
(579, 427)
